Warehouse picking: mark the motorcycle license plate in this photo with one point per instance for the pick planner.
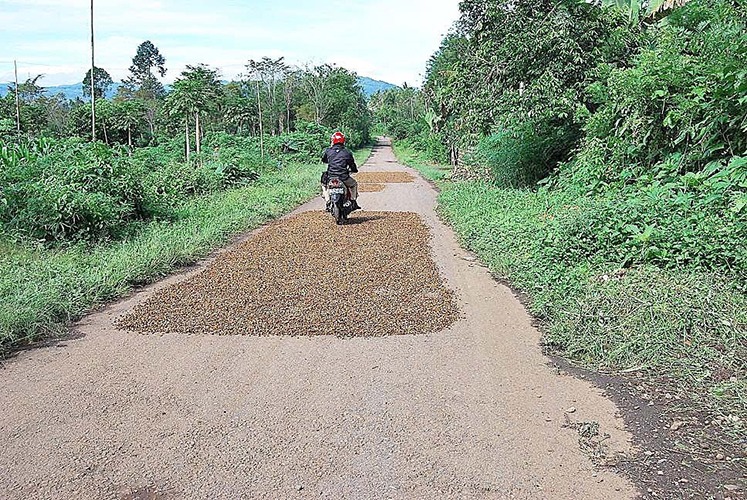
(337, 191)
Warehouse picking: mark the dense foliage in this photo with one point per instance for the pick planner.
(641, 126)
(42, 289)
(607, 148)
(665, 151)
(270, 99)
(62, 190)
(156, 147)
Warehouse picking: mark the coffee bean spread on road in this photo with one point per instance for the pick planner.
(307, 276)
(383, 177)
(370, 188)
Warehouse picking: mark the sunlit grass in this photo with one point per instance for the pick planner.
(683, 325)
(413, 159)
(42, 290)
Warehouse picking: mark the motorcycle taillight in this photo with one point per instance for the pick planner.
(335, 183)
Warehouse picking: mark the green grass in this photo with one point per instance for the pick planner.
(686, 326)
(42, 290)
(412, 158)
(360, 155)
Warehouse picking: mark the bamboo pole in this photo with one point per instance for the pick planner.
(18, 102)
(261, 129)
(93, 81)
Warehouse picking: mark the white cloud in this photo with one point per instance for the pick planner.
(384, 39)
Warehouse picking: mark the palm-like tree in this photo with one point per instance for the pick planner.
(179, 105)
(127, 115)
(649, 8)
(194, 93)
(658, 7)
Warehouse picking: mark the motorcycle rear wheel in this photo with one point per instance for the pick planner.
(336, 213)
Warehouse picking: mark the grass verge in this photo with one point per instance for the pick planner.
(42, 290)
(360, 155)
(683, 327)
(412, 158)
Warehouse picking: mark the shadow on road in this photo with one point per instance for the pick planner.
(363, 219)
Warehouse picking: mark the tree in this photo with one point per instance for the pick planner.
(30, 90)
(519, 71)
(289, 89)
(102, 81)
(147, 58)
(347, 106)
(195, 92)
(636, 10)
(125, 116)
(400, 110)
(32, 108)
(142, 84)
(57, 112)
(270, 73)
(236, 107)
(314, 85)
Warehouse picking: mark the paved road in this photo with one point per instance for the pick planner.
(473, 411)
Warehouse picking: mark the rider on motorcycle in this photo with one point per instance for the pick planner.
(340, 163)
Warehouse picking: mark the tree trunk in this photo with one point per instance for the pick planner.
(186, 135)
(197, 133)
(106, 135)
(93, 83)
(129, 138)
(18, 105)
(261, 129)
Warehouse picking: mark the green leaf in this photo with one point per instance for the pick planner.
(739, 205)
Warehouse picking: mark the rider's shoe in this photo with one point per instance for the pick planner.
(355, 205)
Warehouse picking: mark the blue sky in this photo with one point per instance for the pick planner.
(388, 40)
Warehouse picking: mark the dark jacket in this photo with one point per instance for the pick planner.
(339, 160)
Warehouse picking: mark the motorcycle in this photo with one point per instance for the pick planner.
(339, 205)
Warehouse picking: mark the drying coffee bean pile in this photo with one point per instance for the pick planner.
(370, 188)
(308, 276)
(383, 177)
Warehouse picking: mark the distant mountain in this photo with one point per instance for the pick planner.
(71, 91)
(369, 85)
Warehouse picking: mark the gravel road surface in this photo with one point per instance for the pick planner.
(472, 410)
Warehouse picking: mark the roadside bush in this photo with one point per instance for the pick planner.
(522, 154)
(70, 190)
(670, 232)
(685, 322)
(76, 191)
(427, 145)
(305, 144)
(431, 146)
(679, 103)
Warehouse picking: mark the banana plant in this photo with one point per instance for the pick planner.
(638, 9)
(663, 7)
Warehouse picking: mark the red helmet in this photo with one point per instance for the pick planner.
(338, 138)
